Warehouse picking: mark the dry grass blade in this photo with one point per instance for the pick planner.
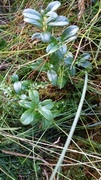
(81, 7)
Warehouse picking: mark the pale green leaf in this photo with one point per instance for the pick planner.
(85, 64)
(32, 14)
(84, 57)
(34, 22)
(73, 71)
(47, 104)
(52, 76)
(46, 113)
(14, 78)
(53, 6)
(45, 36)
(59, 21)
(26, 104)
(52, 48)
(36, 36)
(69, 32)
(34, 96)
(61, 82)
(17, 86)
(27, 117)
(52, 14)
(69, 59)
(46, 123)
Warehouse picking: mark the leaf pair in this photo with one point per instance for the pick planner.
(68, 35)
(83, 61)
(32, 16)
(36, 110)
(45, 20)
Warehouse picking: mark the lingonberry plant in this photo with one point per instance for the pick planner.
(60, 64)
(61, 61)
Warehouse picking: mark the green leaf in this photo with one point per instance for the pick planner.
(59, 21)
(34, 22)
(61, 82)
(52, 15)
(27, 117)
(46, 123)
(39, 65)
(52, 48)
(54, 40)
(45, 36)
(23, 97)
(58, 55)
(83, 61)
(17, 86)
(84, 57)
(70, 39)
(69, 59)
(47, 104)
(73, 71)
(85, 64)
(63, 49)
(37, 118)
(36, 36)
(36, 65)
(69, 32)
(25, 84)
(53, 6)
(46, 113)
(34, 96)
(14, 78)
(32, 14)
(56, 59)
(52, 76)
(56, 113)
(26, 104)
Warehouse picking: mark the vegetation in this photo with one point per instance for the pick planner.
(50, 59)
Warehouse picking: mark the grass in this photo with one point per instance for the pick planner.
(30, 152)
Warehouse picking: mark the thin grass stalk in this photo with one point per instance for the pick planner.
(57, 168)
